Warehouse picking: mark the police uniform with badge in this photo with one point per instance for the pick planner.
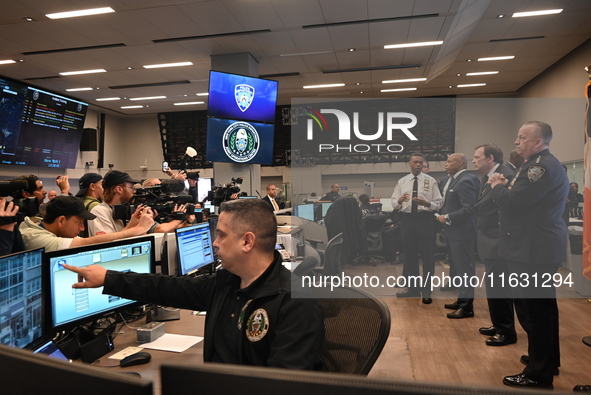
(260, 325)
(533, 239)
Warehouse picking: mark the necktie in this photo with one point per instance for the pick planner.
(446, 186)
(484, 181)
(415, 193)
(274, 203)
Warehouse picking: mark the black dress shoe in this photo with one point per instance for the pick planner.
(522, 381)
(452, 306)
(582, 388)
(501, 340)
(461, 313)
(408, 294)
(427, 300)
(525, 360)
(488, 330)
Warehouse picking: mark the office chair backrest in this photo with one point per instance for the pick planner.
(306, 267)
(332, 256)
(356, 327)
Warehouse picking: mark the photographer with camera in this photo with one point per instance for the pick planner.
(222, 193)
(176, 221)
(118, 187)
(10, 237)
(64, 220)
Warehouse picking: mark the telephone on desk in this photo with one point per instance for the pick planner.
(284, 254)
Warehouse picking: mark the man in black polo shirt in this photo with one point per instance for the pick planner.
(252, 318)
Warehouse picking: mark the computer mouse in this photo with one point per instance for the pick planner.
(139, 358)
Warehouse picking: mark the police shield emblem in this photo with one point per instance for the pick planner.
(534, 173)
(244, 95)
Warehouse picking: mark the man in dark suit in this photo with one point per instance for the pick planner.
(271, 198)
(460, 192)
(488, 159)
(533, 240)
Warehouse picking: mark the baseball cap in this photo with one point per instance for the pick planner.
(116, 177)
(86, 180)
(68, 205)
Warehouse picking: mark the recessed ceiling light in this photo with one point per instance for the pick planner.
(405, 80)
(410, 45)
(126, 107)
(83, 72)
(7, 61)
(72, 14)
(188, 103)
(469, 85)
(351, 49)
(177, 64)
(496, 58)
(29, 19)
(468, 60)
(398, 90)
(322, 86)
(483, 73)
(147, 98)
(500, 16)
(537, 13)
(108, 98)
(79, 89)
(357, 83)
(203, 94)
(129, 68)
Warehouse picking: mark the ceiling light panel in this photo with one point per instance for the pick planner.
(77, 13)
(412, 45)
(537, 13)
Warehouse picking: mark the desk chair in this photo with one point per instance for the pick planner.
(332, 256)
(307, 266)
(356, 327)
(372, 226)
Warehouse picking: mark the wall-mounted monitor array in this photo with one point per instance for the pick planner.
(39, 128)
(241, 112)
(67, 307)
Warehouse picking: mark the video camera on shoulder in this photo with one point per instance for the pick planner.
(221, 193)
(28, 207)
(162, 198)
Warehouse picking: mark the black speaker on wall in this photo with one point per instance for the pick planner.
(89, 140)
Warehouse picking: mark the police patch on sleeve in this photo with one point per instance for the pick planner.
(534, 173)
(257, 325)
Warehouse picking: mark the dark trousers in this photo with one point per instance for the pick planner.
(418, 238)
(462, 255)
(500, 299)
(537, 312)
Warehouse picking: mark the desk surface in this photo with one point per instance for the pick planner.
(189, 324)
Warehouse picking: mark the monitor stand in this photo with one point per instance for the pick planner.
(160, 313)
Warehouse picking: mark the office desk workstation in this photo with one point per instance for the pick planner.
(190, 324)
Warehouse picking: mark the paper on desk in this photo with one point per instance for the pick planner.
(172, 342)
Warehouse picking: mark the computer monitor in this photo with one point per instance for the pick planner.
(221, 379)
(21, 309)
(213, 226)
(305, 211)
(66, 307)
(195, 248)
(28, 373)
